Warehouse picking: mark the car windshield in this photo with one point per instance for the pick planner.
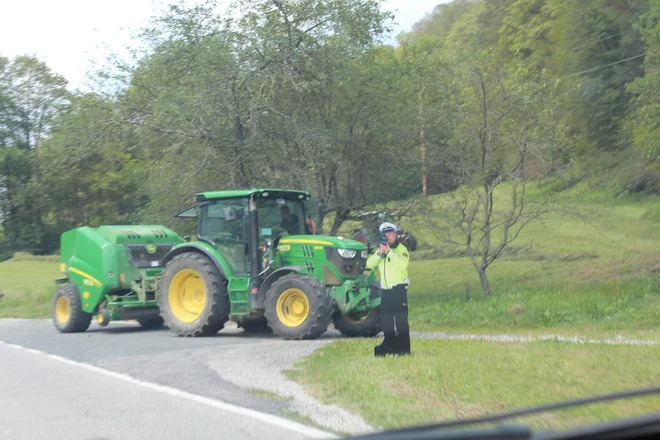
(391, 213)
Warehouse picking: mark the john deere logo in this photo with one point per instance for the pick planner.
(151, 248)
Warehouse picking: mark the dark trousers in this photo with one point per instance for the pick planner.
(394, 319)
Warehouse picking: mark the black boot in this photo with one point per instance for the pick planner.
(402, 345)
(384, 348)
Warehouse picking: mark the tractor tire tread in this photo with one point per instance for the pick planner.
(368, 328)
(219, 314)
(323, 312)
(79, 321)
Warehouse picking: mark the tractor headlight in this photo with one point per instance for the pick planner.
(347, 253)
(364, 254)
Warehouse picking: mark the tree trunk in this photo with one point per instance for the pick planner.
(340, 216)
(485, 287)
(422, 145)
(422, 148)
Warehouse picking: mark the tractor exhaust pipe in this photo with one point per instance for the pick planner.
(253, 248)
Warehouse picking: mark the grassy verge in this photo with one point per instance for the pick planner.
(29, 286)
(460, 379)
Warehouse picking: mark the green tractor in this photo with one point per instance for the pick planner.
(250, 260)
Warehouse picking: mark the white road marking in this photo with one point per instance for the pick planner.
(262, 417)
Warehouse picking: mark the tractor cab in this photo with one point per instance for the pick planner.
(223, 221)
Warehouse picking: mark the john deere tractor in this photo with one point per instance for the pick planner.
(250, 260)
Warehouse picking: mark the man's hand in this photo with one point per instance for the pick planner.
(384, 248)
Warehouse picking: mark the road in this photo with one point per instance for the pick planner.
(126, 382)
(123, 382)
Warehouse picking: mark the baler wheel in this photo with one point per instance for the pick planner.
(68, 315)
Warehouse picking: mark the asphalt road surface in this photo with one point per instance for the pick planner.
(123, 382)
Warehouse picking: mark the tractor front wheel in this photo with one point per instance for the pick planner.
(358, 324)
(298, 307)
(68, 315)
(192, 296)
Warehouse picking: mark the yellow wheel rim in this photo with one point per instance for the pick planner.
(187, 295)
(292, 307)
(62, 309)
(99, 318)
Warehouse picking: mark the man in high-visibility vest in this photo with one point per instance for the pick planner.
(391, 260)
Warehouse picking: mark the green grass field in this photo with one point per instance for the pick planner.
(446, 380)
(590, 277)
(29, 286)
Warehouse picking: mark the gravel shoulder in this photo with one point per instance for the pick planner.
(266, 363)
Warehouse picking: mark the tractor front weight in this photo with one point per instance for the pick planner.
(354, 296)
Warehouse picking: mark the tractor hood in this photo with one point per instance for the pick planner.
(324, 240)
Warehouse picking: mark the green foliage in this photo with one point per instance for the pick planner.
(90, 170)
(303, 94)
(31, 97)
(645, 119)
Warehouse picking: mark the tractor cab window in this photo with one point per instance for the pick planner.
(186, 223)
(225, 223)
(314, 220)
(280, 217)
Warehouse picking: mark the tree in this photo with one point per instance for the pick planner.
(91, 172)
(31, 96)
(588, 36)
(290, 85)
(644, 121)
(502, 141)
(36, 94)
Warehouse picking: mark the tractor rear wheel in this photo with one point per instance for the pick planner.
(298, 307)
(151, 322)
(68, 315)
(358, 324)
(192, 296)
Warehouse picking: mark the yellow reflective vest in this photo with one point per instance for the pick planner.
(393, 268)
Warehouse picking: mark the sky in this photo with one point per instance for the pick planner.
(75, 36)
